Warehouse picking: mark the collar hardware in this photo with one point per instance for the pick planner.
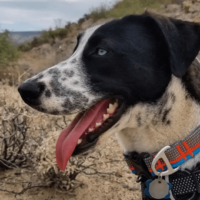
(177, 154)
(165, 164)
(161, 155)
(137, 165)
(158, 188)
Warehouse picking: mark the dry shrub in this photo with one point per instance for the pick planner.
(28, 139)
(13, 127)
(47, 168)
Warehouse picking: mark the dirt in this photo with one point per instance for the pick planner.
(102, 173)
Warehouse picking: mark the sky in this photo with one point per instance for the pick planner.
(37, 15)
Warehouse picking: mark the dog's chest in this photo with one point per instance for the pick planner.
(150, 127)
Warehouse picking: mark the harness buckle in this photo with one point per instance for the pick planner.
(161, 154)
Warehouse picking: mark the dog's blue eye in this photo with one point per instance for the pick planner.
(101, 52)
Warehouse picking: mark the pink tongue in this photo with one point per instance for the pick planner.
(68, 138)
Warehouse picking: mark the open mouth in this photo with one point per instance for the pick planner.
(85, 129)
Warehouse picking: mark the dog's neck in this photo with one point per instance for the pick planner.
(150, 127)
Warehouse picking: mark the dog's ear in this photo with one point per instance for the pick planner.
(183, 41)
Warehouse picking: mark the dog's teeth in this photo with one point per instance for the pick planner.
(111, 109)
(105, 116)
(111, 105)
(98, 124)
(79, 141)
(116, 104)
(91, 129)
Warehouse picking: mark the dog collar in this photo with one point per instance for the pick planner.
(176, 155)
(166, 164)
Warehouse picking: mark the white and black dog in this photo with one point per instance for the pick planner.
(135, 77)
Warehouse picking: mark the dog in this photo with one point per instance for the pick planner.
(136, 77)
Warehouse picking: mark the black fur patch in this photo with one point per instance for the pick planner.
(41, 109)
(40, 76)
(78, 40)
(173, 97)
(48, 93)
(74, 61)
(54, 71)
(75, 82)
(165, 115)
(191, 81)
(54, 112)
(69, 73)
(134, 70)
(63, 64)
(138, 119)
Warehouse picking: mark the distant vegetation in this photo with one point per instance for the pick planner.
(121, 8)
(46, 37)
(125, 7)
(8, 52)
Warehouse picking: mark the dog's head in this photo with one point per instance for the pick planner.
(114, 66)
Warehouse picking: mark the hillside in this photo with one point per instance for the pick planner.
(32, 174)
(60, 48)
(56, 46)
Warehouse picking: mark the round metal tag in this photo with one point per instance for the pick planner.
(158, 189)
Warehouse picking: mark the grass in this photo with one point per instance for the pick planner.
(125, 7)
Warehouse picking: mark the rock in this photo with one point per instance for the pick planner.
(173, 8)
(118, 174)
(125, 186)
(197, 20)
(186, 6)
(134, 188)
(106, 183)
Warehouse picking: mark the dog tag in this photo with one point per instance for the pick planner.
(159, 189)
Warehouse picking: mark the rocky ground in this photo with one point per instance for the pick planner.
(100, 174)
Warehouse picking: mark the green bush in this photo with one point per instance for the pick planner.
(46, 37)
(8, 52)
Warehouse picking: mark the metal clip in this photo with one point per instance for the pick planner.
(159, 155)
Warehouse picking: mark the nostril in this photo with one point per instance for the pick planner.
(31, 91)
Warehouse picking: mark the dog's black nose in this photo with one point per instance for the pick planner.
(30, 92)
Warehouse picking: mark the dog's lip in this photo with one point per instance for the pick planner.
(92, 138)
(30, 102)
